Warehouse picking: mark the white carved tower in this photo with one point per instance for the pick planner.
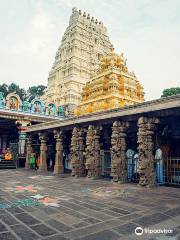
(82, 45)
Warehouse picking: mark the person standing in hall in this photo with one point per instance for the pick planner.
(32, 161)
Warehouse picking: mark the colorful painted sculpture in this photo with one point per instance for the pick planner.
(37, 106)
(61, 111)
(25, 106)
(2, 100)
(51, 109)
(13, 101)
(8, 155)
(112, 86)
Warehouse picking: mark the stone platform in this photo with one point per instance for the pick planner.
(43, 206)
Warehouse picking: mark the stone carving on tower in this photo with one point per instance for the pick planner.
(112, 86)
(77, 58)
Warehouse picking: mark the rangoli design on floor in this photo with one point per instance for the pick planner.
(47, 201)
(21, 189)
(29, 202)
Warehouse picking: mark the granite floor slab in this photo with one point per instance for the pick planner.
(46, 206)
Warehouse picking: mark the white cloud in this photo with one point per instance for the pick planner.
(67, 3)
(32, 52)
(38, 35)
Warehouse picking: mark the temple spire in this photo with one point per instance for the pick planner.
(77, 58)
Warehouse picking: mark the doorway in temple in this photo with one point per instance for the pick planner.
(171, 161)
(132, 156)
(51, 152)
(167, 162)
(13, 146)
(105, 153)
(8, 142)
(66, 151)
(36, 148)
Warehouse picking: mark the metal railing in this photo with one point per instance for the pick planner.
(171, 171)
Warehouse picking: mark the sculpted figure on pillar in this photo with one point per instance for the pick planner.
(92, 151)
(97, 148)
(146, 132)
(118, 151)
(77, 152)
(89, 150)
(59, 167)
(29, 150)
(74, 151)
(43, 151)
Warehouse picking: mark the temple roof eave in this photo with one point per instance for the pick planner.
(158, 105)
(112, 96)
(8, 114)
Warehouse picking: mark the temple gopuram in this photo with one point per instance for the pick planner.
(113, 86)
(77, 58)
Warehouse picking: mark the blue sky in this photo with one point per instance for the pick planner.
(146, 31)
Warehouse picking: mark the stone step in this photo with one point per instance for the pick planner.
(7, 167)
(7, 164)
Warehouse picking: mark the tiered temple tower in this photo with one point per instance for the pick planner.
(84, 42)
(112, 86)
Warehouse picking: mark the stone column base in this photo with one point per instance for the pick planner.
(42, 168)
(58, 169)
(27, 166)
(115, 179)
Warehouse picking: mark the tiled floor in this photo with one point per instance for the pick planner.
(43, 206)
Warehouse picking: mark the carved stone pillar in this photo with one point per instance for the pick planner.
(43, 152)
(97, 157)
(29, 150)
(118, 151)
(146, 169)
(89, 151)
(21, 126)
(92, 151)
(59, 167)
(77, 152)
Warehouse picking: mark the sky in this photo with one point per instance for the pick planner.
(146, 31)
